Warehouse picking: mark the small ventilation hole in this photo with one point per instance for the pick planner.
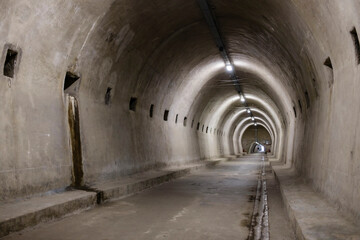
(10, 63)
(70, 79)
(185, 120)
(166, 115)
(355, 38)
(108, 95)
(294, 111)
(198, 126)
(132, 104)
(151, 110)
(328, 63)
(207, 129)
(176, 118)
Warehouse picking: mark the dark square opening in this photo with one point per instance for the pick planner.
(328, 63)
(132, 104)
(108, 95)
(70, 79)
(166, 115)
(10, 62)
(151, 110)
(355, 38)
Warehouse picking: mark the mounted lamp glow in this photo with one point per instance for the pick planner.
(252, 118)
(229, 67)
(242, 99)
(248, 110)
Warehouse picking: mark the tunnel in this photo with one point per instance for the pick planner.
(196, 119)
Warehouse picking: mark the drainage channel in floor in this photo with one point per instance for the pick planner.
(259, 229)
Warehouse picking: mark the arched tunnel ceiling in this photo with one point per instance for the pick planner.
(172, 64)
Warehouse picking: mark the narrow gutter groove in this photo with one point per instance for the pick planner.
(259, 228)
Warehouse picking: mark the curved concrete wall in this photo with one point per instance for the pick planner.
(162, 53)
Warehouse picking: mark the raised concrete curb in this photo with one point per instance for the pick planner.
(139, 182)
(15, 216)
(18, 215)
(312, 217)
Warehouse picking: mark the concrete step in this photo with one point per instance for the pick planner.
(17, 215)
(126, 186)
(313, 217)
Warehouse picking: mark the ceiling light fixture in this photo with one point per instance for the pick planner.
(242, 98)
(229, 67)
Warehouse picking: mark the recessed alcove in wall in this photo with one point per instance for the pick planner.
(166, 115)
(185, 120)
(10, 63)
(132, 104)
(151, 110)
(294, 108)
(108, 95)
(176, 118)
(355, 38)
(329, 71)
(71, 84)
(198, 126)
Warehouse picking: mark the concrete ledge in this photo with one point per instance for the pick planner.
(18, 215)
(15, 216)
(310, 214)
(138, 182)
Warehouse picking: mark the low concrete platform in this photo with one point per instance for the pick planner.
(211, 203)
(312, 217)
(135, 183)
(17, 215)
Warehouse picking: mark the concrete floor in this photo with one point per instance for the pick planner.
(213, 203)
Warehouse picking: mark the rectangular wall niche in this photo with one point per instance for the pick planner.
(151, 110)
(166, 115)
(108, 95)
(329, 72)
(71, 84)
(70, 79)
(132, 104)
(10, 63)
(355, 38)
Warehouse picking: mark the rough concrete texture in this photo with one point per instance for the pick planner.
(212, 203)
(296, 61)
(17, 215)
(112, 190)
(311, 215)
